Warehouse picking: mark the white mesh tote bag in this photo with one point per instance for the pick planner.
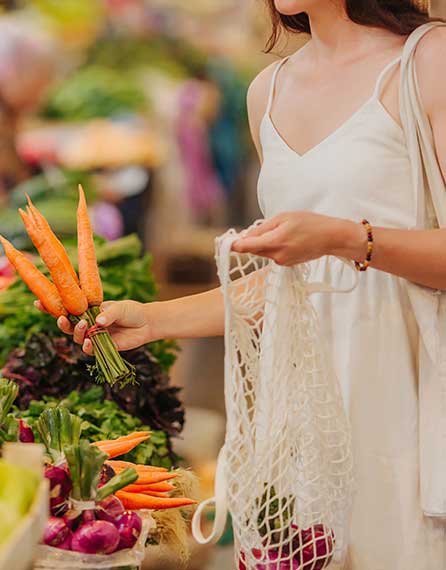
(286, 470)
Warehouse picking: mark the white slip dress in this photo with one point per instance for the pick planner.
(362, 170)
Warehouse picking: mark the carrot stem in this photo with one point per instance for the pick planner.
(110, 367)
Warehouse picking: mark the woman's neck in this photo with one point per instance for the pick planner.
(337, 39)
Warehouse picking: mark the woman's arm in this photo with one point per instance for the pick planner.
(419, 256)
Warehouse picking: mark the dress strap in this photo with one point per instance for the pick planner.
(382, 76)
(272, 89)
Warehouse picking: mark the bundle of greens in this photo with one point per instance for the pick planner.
(58, 428)
(8, 427)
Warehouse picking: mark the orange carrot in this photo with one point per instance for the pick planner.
(129, 437)
(40, 221)
(155, 494)
(42, 287)
(72, 297)
(88, 266)
(155, 488)
(120, 447)
(152, 478)
(136, 501)
(120, 465)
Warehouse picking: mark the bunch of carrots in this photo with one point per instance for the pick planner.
(77, 297)
(152, 488)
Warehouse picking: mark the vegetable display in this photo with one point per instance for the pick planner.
(68, 294)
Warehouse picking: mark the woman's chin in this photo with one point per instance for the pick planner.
(291, 7)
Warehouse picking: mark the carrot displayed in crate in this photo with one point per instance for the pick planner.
(162, 487)
(137, 501)
(88, 267)
(119, 447)
(73, 298)
(40, 285)
(40, 221)
(116, 465)
(145, 478)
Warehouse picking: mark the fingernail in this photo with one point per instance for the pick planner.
(59, 322)
(101, 320)
(82, 324)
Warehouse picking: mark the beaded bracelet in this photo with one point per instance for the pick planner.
(364, 265)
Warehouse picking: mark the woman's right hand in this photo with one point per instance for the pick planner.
(127, 321)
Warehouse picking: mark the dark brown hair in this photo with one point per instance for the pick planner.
(398, 16)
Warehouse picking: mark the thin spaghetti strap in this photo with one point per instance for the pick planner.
(272, 88)
(383, 75)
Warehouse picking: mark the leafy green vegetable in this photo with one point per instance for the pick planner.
(94, 91)
(103, 419)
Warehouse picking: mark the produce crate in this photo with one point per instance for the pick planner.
(17, 554)
(49, 558)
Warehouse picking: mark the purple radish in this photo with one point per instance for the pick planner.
(56, 532)
(66, 544)
(60, 487)
(25, 433)
(96, 537)
(110, 509)
(129, 527)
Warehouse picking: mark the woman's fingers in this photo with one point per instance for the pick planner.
(87, 347)
(38, 305)
(111, 311)
(263, 243)
(263, 228)
(80, 330)
(65, 326)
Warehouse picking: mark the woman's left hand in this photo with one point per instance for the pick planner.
(297, 237)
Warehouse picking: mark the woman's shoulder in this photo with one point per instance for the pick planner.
(258, 92)
(430, 61)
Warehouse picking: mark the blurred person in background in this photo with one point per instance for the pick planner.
(26, 68)
(326, 124)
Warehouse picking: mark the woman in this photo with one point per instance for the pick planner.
(327, 128)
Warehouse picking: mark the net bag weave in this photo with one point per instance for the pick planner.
(285, 472)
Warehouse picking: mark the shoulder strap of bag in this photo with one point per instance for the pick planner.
(419, 136)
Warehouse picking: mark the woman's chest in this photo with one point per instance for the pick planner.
(362, 171)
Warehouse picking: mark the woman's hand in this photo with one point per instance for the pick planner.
(297, 237)
(130, 324)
